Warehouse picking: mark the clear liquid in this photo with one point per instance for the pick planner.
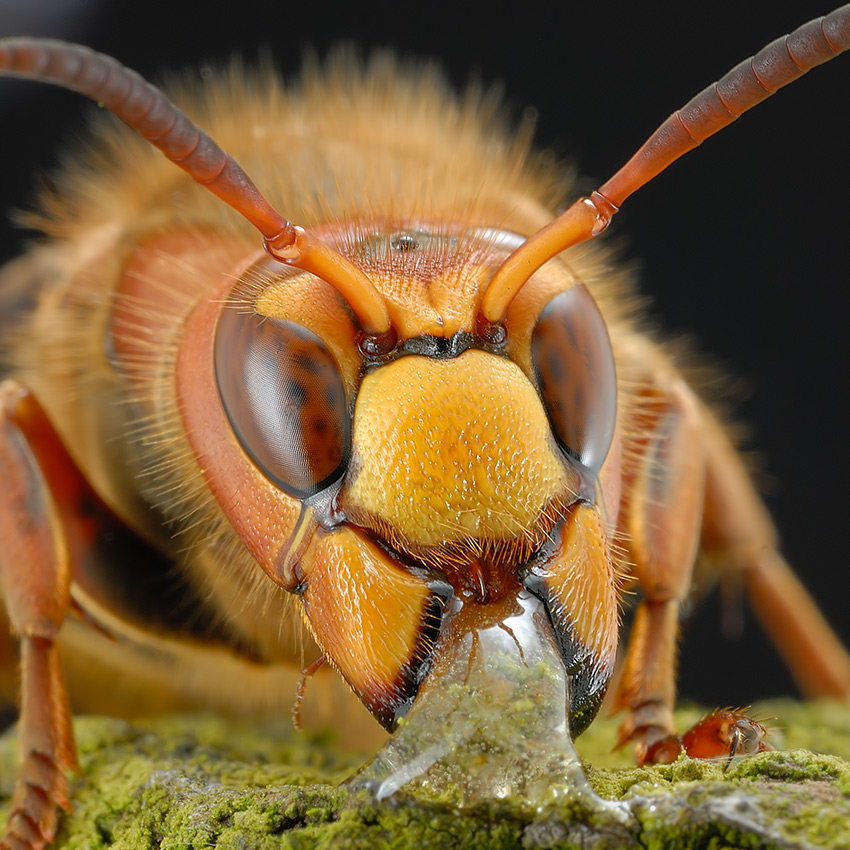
(490, 720)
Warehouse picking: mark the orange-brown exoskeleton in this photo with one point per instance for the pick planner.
(409, 416)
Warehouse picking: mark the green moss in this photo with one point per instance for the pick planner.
(198, 782)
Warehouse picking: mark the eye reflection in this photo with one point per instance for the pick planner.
(574, 366)
(284, 397)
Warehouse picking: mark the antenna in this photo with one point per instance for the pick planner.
(752, 81)
(148, 111)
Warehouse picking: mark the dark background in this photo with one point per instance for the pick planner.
(743, 243)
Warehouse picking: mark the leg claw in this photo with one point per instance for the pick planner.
(41, 790)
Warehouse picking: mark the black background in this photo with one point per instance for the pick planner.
(742, 244)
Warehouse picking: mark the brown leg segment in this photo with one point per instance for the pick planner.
(688, 485)
(661, 516)
(739, 536)
(35, 569)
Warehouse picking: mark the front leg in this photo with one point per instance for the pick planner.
(661, 516)
(40, 490)
(685, 487)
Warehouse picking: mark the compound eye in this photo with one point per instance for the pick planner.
(284, 397)
(574, 366)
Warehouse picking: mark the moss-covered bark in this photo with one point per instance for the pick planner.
(199, 782)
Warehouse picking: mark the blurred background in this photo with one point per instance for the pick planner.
(742, 244)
